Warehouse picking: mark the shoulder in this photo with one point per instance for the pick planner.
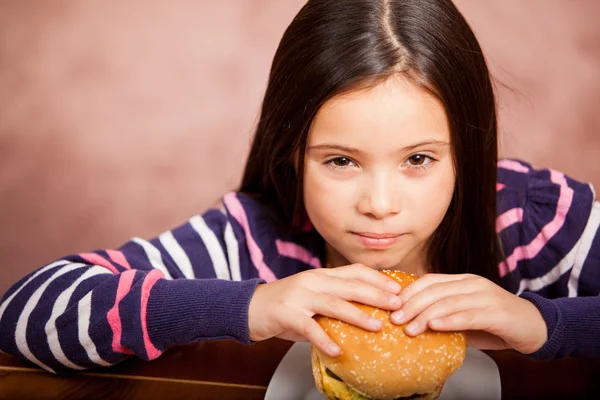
(542, 214)
(260, 230)
(541, 191)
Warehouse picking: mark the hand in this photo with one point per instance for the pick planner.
(285, 308)
(493, 317)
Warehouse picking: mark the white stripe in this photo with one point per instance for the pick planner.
(84, 309)
(584, 248)
(551, 276)
(60, 305)
(21, 330)
(233, 253)
(153, 255)
(32, 277)
(213, 246)
(563, 266)
(177, 254)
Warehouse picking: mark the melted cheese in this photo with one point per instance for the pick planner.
(336, 389)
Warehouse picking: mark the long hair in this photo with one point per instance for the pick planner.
(332, 47)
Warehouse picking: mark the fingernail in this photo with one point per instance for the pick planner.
(413, 327)
(397, 317)
(394, 300)
(394, 286)
(375, 323)
(334, 350)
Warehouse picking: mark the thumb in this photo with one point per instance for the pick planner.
(485, 341)
(293, 336)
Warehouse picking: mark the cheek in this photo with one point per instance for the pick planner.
(325, 199)
(432, 207)
(443, 198)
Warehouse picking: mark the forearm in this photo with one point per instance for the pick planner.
(72, 316)
(573, 326)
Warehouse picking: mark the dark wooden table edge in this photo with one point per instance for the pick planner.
(38, 371)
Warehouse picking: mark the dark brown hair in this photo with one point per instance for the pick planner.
(335, 46)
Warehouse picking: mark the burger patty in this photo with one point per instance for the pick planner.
(337, 378)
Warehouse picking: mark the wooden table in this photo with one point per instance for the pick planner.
(228, 370)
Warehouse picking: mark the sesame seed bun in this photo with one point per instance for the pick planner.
(387, 364)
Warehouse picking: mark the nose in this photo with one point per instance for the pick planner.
(379, 197)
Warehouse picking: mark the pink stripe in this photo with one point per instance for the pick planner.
(508, 218)
(292, 250)
(500, 186)
(113, 317)
(513, 166)
(97, 259)
(548, 231)
(119, 258)
(149, 282)
(235, 208)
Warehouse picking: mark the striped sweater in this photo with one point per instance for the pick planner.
(195, 282)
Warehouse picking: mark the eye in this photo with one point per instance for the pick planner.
(340, 163)
(420, 161)
(417, 159)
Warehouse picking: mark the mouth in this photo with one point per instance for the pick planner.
(376, 240)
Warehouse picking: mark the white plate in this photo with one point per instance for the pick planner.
(478, 378)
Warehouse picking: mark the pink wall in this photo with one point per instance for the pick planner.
(124, 118)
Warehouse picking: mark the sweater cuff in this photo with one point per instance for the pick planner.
(572, 326)
(554, 323)
(188, 310)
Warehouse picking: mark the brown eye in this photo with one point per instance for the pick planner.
(341, 161)
(417, 159)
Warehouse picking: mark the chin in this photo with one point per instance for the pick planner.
(386, 365)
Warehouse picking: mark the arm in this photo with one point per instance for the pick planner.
(553, 248)
(97, 309)
(573, 323)
(573, 326)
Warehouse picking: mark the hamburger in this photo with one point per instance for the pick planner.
(386, 365)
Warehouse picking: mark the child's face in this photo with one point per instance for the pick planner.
(366, 175)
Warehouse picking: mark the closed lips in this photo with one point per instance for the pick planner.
(377, 235)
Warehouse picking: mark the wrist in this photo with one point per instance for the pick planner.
(554, 346)
(539, 331)
(254, 315)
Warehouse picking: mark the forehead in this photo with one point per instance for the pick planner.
(396, 111)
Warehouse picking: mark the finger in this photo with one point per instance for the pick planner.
(432, 294)
(426, 281)
(292, 336)
(445, 307)
(311, 330)
(360, 292)
(335, 307)
(368, 275)
(472, 319)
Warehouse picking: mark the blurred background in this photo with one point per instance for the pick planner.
(125, 118)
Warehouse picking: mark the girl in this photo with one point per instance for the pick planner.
(376, 149)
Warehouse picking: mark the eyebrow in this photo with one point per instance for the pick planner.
(332, 146)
